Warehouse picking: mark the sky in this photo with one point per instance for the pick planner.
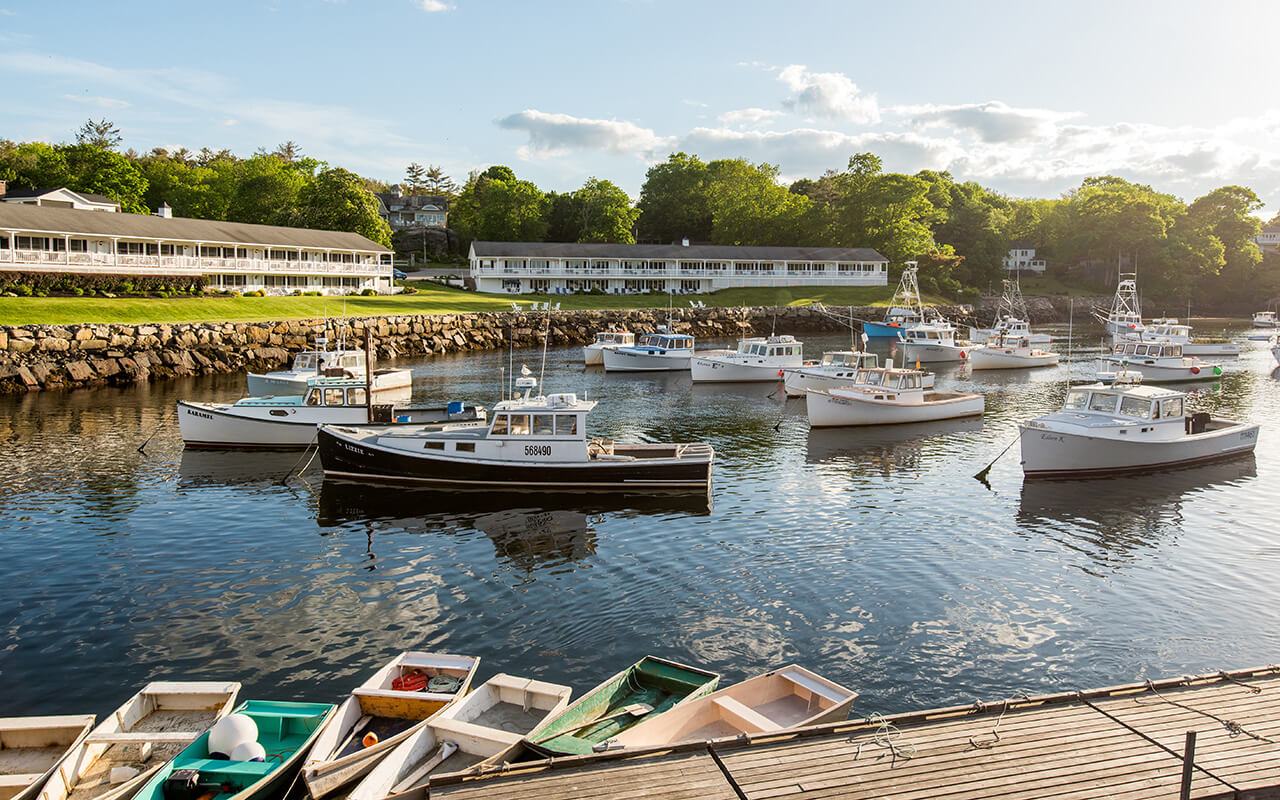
(1027, 98)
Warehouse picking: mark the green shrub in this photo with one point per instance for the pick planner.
(77, 291)
(366, 293)
(409, 290)
(22, 290)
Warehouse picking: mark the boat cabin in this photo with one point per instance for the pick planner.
(320, 394)
(556, 416)
(1264, 318)
(889, 378)
(902, 316)
(1148, 349)
(1126, 400)
(849, 358)
(319, 359)
(620, 338)
(662, 342)
(1167, 330)
(929, 334)
(772, 346)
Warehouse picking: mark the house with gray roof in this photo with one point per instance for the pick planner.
(412, 210)
(229, 255)
(58, 198)
(551, 268)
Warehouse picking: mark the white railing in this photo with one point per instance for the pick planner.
(46, 259)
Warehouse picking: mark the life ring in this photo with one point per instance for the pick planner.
(1195, 370)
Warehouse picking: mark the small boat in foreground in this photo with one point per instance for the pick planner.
(790, 697)
(647, 688)
(382, 713)
(143, 735)
(593, 354)
(291, 420)
(886, 396)
(757, 358)
(1158, 362)
(1004, 353)
(325, 363)
(484, 726)
(1125, 427)
(532, 442)
(31, 748)
(250, 754)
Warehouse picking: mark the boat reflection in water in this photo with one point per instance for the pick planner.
(1123, 513)
(528, 529)
(886, 449)
(239, 468)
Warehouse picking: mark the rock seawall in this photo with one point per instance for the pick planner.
(42, 357)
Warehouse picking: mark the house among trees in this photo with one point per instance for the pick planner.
(555, 268)
(58, 198)
(412, 210)
(1022, 258)
(54, 237)
(1269, 237)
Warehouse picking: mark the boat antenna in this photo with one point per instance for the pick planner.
(511, 358)
(546, 337)
(1071, 316)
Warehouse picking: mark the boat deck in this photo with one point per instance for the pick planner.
(1121, 742)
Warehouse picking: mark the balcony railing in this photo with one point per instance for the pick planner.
(181, 264)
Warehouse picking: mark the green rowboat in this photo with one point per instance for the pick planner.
(654, 682)
(286, 732)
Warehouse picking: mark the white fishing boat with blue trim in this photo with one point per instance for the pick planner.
(758, 358)
(1158, 362)
(654, 352)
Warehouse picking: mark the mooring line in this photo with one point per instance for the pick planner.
(1233, 728)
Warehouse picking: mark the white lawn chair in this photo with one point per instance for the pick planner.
(515, 306)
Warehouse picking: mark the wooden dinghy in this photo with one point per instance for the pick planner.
(484, 726)
(381, 713)
(141, 736)
(31, 748)
(652, 683)
(284, 732)
(790, 697)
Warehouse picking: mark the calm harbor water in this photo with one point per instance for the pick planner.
(871, 556)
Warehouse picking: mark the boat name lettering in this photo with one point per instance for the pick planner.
(199, 414)
(537, 449)
(351, 448)
(1051, 437)
(1249, 434)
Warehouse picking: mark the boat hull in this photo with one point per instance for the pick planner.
(1048, 453)
(280, 427)
(1009, 358)
(1211, 349)
(1153, 372)
(42, 737)
(932, 353)
(884, 330)
(714, 370)
(363, 460)
(797, 381)
(827, 410)
(593, 354)
(622, 359)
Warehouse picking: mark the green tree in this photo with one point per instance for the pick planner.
(495, 206)
(749, 207)
(1227, 214)
(266, 191)
(288, 151)
(93, 169)
(886, 211)
(606, 213)
(414, 174)
(437, 184)
(674, 202)
(100, 133)
(338, 201)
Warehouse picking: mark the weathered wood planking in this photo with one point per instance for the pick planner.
(680, 776)
(1122, 742)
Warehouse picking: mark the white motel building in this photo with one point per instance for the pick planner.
(69, 236)
(524, 267)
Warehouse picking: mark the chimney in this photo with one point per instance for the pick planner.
(164, 211)
(3, 188)
(684, 242)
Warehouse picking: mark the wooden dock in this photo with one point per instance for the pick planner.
(1126, 742)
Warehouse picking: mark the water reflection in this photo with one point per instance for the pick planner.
(232, 468)
(884, 449)
(1110, 518)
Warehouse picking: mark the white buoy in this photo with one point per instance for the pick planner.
(231, 730)
(248, 751)
(122, 774)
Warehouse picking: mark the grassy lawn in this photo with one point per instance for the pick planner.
(432, 298)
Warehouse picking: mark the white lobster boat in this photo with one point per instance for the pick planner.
(140, 737)
(932, 342)
(593, 354)
(291, 420)
(1125, 315)
(382, 713)
(887, 396)
(482, 727)
(1004, 353)
(319, 363)
(654, 352)
(756, 359)
(1126, 427)
(1011, 320)
(1264, 319)
(1158, 362)
(836, 369)
(1168, 330)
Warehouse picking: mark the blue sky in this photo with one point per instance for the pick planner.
(1024, 97)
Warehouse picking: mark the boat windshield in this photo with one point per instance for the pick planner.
(1170, 408)
(1139, 407)
(305, 361)
(1100, 401)
(872, 377)
(1076, 399)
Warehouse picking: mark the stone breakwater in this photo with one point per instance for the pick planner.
(40, 357)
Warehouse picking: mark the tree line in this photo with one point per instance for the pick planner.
(958, 231)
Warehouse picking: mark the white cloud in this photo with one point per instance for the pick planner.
(8, 12)
(992, 122)
(432, 6)
(748, 116)
(829, 95)
(810, 152)
(560, 134)
(102, 102)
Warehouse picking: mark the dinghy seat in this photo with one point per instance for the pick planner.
(744, 716)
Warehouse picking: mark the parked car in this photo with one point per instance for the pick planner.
(398, 275)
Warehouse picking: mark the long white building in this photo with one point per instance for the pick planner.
(544, 267)
(229, 255)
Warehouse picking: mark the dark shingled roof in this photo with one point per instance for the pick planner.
(16, 216)
(695, 252)
(22, 194)
(423, 202)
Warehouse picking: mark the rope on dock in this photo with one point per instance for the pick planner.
(887, 736)
(980, 707)
(1233, 728)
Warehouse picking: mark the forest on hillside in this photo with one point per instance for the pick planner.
(958, 231)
